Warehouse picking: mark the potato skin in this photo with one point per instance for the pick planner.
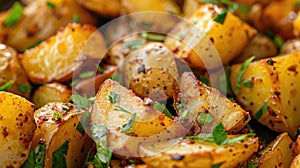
(204, 154)
(51, 92)
(111, 8)
(11, 70)
(201, 98)
(41, 62)
(296, 162)
(54, 132)
(17, 128)
(39, 22)
(224, 41)
(275, 81)
(290, 46)
(131, 6)
(151, 72)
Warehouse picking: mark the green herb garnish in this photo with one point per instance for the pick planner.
(113, 97)
(297, 4)
(36, 157)
(6, 86)
(14, 15)
(241, 73)
(128, 126)
(87, 74)
(220, 18)
(117, 77)
(80, 101)
(205, 118)
(185, 114)
(153, 36)
(57, 116)
(65, 107)
(24, 88)
(278, 40)
(248, 83)
(119, 108)
(204, 79)
(83, 123)
(134, 44)
(50, 5)
(100, 69)
(75, 18)
(162, 108)
(59, 156)
(262, 110)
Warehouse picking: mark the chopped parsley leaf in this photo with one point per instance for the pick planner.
(241, 73)
(220, 18)
(80, 101)
(113, 97)
(128, 126)
(162, 108)
(24, 88)
(205, 118)
(153, 36)
(14, 15)
(50, 5)
(59, 156)
(134, 44)
(262, 110)
(6, 86)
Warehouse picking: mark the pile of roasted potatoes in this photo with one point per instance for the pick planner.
(218, 89)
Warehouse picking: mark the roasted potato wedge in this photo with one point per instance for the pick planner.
(58, 57)
(51, 92)
(151, 72)
(202, 41)
(17, 127)
(56, 124)
(10, 70)
(36, 26)
(278, 16)
(190, 6)
(204, 154)
(261, 46)
(198, 98)
(278, 153)
(275, 85)
(115, 113)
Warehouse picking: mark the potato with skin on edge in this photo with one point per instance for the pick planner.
(39, 21)
(278, 153)
(17, 129)
(197, 98)
(11, 71)
(56, 124)
(115, 106)
(204, 154)
(273, 98)
(58, 57)
(51, 92)
(201, 41)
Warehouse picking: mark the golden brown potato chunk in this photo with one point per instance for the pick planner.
(115, 106)
(17, 128)
(203, 41)
(273, 97)
(197, 98)
(58, 57)
(10, 70)
(51, 92)
(204, 154)
(151, 72)
(111, 8)
(56, 124)
(39, 22)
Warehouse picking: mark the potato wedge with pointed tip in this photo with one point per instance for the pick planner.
(115, 113)
(56, 124)
(197, 154)
(275, 83)
(196, 97)
(17, 128)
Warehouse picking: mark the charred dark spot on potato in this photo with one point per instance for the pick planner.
(293, 69)
(177, 157)
(4, 132)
